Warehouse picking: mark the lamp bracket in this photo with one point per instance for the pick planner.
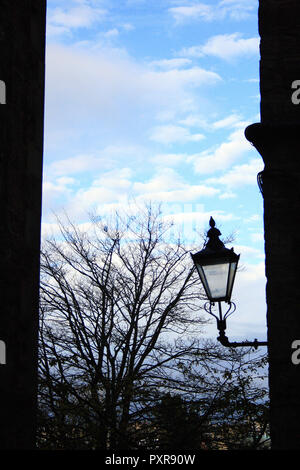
(208, 307)
(222, 338)
(221, 325)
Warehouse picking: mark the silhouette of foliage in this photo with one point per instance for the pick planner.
(122, 362)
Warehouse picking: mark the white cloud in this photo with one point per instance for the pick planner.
(77, 164)
(115, 179)
(153, 191)
(56, 189)
(238, 9)
(240, 175)
(169, 64)
(231, 121)
(198, 217)
(221, 157)
(110, 187)
(80, 16)
(86, 199)
(118, 186)
(188, 194)
(196, 11)
(170, 134)
(54, 30)
(227, 195)
(168, 159)
(165, 180)
(66, 180)
(191, 77)
(249, 320)
(195, 121)
(224, 46)
(227, 46)
(103, 160)
(59, 186)
(127, 27)
(107, 93)
(253, 218)
(168, 185)
(228, 121)
(111, 33)
(233, 9)
(249, 252)
(257, 237)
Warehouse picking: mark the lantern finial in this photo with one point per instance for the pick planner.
(214, 243)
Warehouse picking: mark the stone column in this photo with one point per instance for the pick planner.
(277, 139)
(22, 66)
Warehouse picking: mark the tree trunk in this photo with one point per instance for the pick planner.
(127, 398)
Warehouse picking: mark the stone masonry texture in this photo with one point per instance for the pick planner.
(22, 69)
(276, 138)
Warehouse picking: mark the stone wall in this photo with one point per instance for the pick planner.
(277, 140)
(279, 28)
(22, 66)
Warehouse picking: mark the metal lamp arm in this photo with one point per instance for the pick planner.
(222, 338)
(221, 325)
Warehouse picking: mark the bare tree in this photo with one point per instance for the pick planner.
(217, 401)
(120, 306)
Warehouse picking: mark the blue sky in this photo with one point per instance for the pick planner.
(149, 99)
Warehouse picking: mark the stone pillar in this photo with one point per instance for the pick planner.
(277, 139)
(22, 65)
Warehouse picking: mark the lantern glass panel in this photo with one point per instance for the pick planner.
(232, 271)
(217, 278)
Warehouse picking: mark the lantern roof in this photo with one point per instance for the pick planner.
(214, 248)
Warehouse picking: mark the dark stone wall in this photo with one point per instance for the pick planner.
(277, 140)
(279, 22)
(22, 67)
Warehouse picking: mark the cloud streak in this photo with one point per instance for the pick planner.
(239, 175)
(65, 20)
(223, 156)
(225, 47)
(233, 9)
(171, 134)
(105, 92)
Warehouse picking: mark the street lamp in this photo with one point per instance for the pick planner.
(217, 266)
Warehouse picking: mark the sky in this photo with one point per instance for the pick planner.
(149, 100)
